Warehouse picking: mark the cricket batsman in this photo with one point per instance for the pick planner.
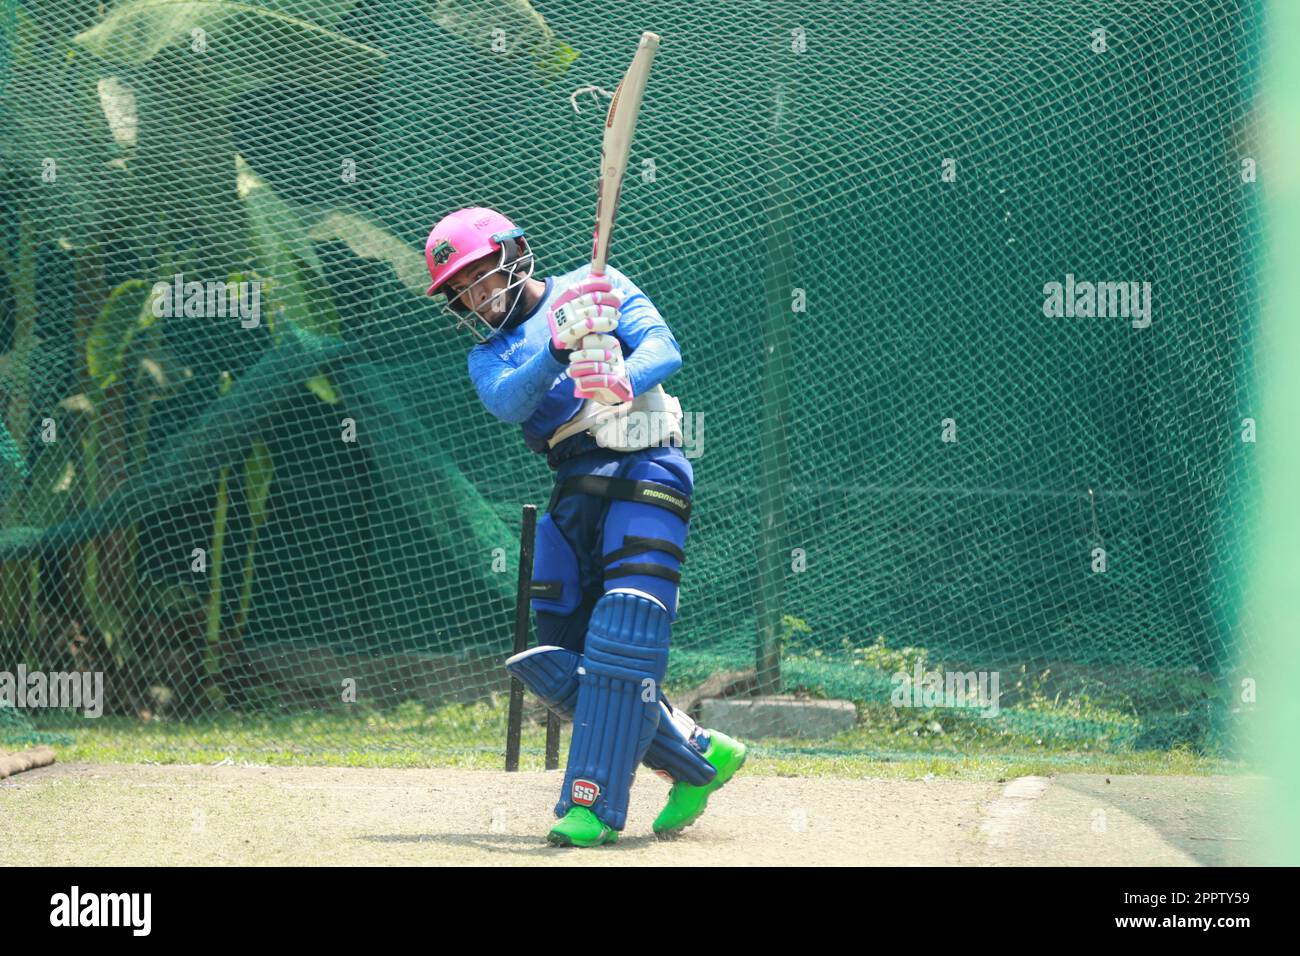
(611, 544)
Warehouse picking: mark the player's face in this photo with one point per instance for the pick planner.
(480, 291)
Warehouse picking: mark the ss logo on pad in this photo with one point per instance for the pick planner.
(585, 792)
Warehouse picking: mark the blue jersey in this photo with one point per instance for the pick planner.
(519, 381)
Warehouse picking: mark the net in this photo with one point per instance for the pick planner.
(851, 216)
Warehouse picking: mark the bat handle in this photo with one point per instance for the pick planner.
(593, 341)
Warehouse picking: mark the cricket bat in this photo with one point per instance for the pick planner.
(620, 125)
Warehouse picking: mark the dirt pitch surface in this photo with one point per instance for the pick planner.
(136, 815)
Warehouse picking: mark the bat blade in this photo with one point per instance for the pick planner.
(620, 125)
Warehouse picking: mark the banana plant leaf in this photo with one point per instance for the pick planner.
(243, 46)
(514, 24)
(371, 241)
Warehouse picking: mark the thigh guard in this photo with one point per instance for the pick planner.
(555, 588)
(644, 540)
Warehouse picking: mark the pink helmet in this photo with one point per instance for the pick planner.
(466, 236)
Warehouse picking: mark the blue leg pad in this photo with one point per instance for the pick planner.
(552, 674)
(677, 748)
(618, 704)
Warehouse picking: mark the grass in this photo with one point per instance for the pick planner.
(884, 744)
(1051, 720)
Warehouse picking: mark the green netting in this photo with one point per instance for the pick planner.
(846, 211)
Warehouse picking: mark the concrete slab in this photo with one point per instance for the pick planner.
(778, 716)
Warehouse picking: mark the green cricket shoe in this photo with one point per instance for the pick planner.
(686, 801)
(581, 827)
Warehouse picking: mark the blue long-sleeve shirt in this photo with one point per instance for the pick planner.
(520, 381)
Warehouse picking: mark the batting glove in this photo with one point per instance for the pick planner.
(589, 307)
(598, 372)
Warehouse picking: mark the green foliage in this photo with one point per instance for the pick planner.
(371, 241)
(296, 291)
(11, 456)
(516, 22)
(243, 46)
(127, 312)
(793, 635)
(878, 656)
